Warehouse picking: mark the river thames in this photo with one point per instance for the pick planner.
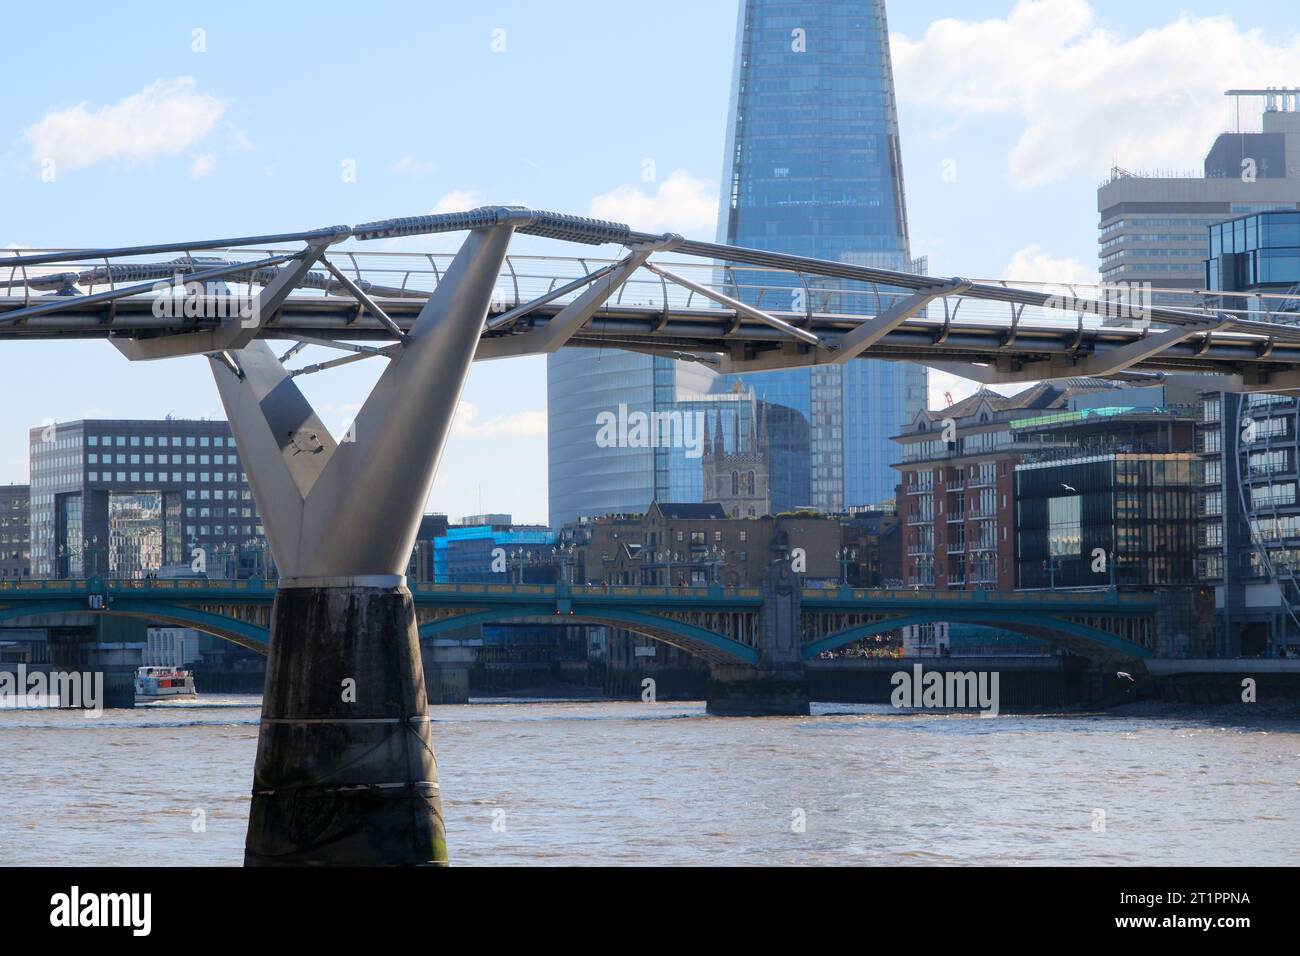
(633, 783)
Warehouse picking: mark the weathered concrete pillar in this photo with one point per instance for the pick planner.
(777, 685)
(345, 770)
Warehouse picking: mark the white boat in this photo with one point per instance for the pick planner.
(163, 683)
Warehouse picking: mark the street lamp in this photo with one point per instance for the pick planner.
(562, 554)
(1053, 565)
(666, 558)
(716, 556)
(846, 555)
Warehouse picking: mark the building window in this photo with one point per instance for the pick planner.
(1064, 532)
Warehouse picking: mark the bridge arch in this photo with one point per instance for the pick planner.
(1044, 627)
(709, 645)
(243, 633)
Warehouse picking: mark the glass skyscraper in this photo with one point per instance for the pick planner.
(812, 168)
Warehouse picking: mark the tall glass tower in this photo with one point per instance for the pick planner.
(812, 168)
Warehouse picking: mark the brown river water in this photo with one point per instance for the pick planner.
(653, 784)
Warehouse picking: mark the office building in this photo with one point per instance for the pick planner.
(126, 499)
(498, 552)
(1249, 535)
(1107, 519)
(813, 167)
(15, 533)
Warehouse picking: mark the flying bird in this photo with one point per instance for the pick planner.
(1125, 674)
(1068, 487)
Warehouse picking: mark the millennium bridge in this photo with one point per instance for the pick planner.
(349, 777)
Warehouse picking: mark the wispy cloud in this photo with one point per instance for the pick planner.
(682, 204)
(1033, 264)
(530, 423)
(458, 200)
(410, 165)
(166, 118)
(202, 165)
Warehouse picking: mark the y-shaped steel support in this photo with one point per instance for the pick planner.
(345, 770)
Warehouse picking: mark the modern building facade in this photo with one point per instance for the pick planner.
(499, 553)
(1113, 519)
(812, 167)
(1153, 227)
(15, 532)
(1249, 535)
(126, 499)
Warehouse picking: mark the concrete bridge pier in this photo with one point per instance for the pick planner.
(777, 685)
(345, 768)
(345, 771)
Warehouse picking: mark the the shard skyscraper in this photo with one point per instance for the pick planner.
(813, 168)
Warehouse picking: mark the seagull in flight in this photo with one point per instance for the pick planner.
(1068, 487)
(1125, 674)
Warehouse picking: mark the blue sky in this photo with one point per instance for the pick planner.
(1010, 115)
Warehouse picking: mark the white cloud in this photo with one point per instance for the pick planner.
(201, 165)
(529, 423)
(682, 204)
(166, 118)
(458, 200)
(412, 166)
(1090, 98)
(1032, 264)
